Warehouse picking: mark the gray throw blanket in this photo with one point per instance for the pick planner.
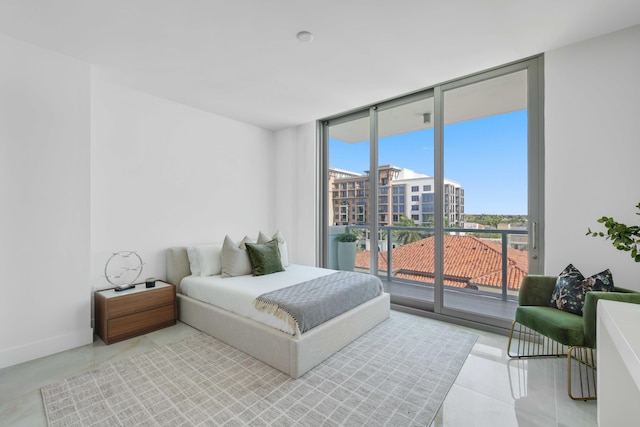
(309, 304)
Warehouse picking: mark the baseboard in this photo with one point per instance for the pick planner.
(51, 345)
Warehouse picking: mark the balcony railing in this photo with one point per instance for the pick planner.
(501, 235)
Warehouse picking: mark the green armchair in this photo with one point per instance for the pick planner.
(543, 331)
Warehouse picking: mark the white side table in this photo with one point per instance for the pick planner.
(618, 343)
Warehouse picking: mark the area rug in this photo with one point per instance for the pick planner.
(396, 374)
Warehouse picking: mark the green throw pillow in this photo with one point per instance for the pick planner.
(265, 257)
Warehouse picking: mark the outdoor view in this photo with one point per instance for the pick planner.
(484, 191)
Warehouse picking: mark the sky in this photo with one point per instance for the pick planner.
(487, 156)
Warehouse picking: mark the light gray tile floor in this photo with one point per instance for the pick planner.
(491, 389)
(495, 390)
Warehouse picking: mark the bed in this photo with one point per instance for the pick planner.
(292, 353)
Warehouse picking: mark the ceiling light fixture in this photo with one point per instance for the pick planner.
(304, 36)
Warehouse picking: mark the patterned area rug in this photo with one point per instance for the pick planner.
(397, 374)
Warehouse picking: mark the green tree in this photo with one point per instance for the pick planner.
(494, 220)
(407, 236)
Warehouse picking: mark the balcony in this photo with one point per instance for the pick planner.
(481, 275)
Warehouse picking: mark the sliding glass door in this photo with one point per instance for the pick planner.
(349, 208)
(406, 195)
(443, 189)
(485, 192)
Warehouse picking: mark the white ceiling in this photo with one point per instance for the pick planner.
(498, 95)
(241, 59)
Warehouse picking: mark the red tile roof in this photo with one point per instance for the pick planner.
(468, 262)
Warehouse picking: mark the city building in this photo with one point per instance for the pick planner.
(401, 192)
(420, 201)
(516, 241)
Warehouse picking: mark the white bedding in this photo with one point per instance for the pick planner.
(237, 294)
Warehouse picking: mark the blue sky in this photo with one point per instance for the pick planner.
(487, 156)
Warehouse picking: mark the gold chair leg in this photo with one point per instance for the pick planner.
(586, 372)
(531, 343)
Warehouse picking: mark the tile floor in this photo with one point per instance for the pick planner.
(491, 389)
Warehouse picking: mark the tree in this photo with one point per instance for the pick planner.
(407, 236)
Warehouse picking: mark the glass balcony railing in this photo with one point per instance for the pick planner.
(488, 262)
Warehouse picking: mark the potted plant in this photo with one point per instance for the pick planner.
(623, 237)
(346, 251)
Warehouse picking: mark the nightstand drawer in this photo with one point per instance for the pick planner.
(136, 311)
(133, 303)
(134, 324)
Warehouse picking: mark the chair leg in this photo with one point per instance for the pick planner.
(586, 372)
(531, 343)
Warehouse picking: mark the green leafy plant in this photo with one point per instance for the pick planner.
(407, 236)
(347, 237)
(622, 236)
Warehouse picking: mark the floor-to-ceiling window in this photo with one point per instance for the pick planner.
(405, 155)
(348, 206)
(444, 190)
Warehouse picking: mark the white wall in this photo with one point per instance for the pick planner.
(164, 174)
(592, 115)
(87, 168)
(296, 196)
(44, 193)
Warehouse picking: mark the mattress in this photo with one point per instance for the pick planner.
(237, 294)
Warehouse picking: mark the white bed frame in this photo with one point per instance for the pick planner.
(292, 355)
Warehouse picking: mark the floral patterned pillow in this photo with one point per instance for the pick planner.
(571, 288)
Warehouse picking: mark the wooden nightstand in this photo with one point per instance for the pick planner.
(126, 314)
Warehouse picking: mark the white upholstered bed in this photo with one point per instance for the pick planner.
(293, 355)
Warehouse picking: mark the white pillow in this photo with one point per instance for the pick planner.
(209, 259)
(194, 262)
(282, 245)
(235, 259)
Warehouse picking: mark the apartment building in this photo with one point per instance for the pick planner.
(349, 196)
(401, 192)
(420, 200)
